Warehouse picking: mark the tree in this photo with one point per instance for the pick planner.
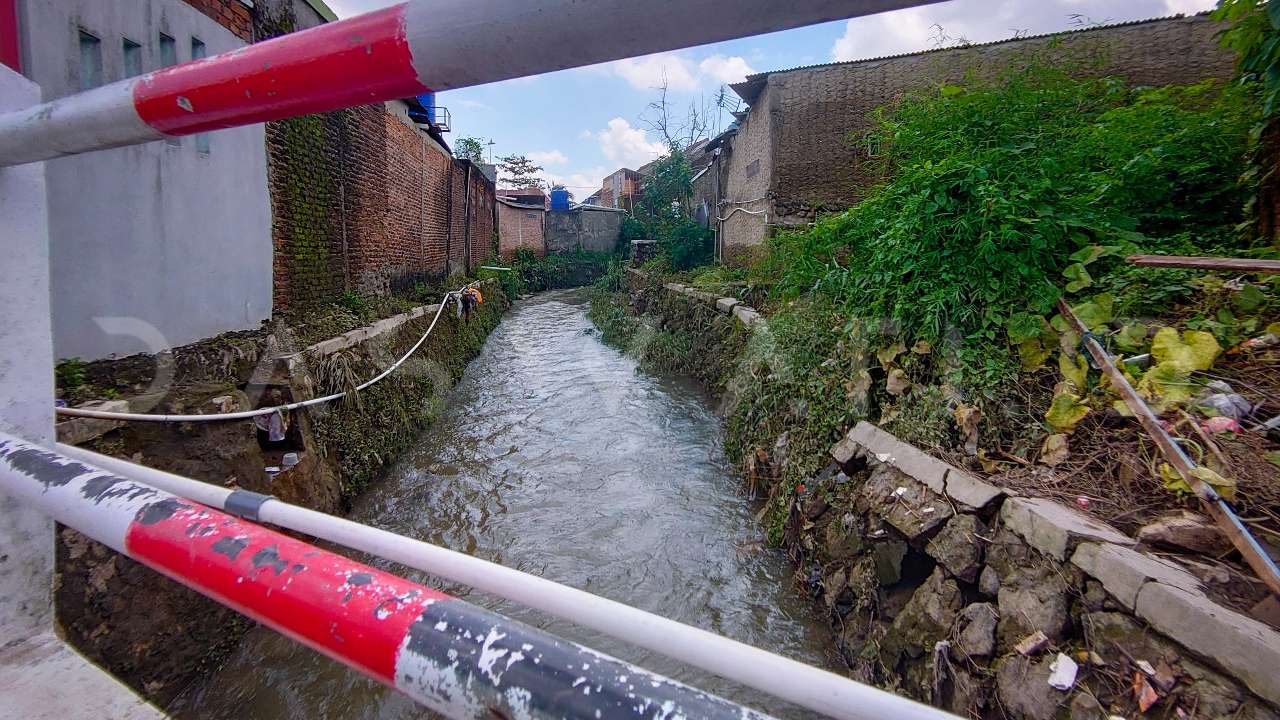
(681, 132)
(469, 148)
(521, 172)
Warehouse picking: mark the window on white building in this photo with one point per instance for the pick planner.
(90, 61)
(132, 57)
(198, 52)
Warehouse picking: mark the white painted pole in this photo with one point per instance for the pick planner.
(795, 682)
(400, 51)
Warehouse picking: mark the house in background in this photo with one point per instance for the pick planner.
(521, 225)
(794, 154)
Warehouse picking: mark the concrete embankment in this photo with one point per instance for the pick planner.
(155, 634)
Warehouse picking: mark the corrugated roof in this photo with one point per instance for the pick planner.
(750, 88)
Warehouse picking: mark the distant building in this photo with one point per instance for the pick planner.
(620, 189)
(526, 196)
(521, 225)
(793, 154)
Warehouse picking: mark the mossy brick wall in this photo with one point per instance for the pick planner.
(364, 201)
(230, 14)
(304, 171)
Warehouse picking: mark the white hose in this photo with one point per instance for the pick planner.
(245, 414)
(793, 681)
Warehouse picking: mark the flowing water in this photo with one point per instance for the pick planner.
(559, 458)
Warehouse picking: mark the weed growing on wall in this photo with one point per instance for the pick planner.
(1002, 193)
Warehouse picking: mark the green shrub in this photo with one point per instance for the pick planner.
(1000, 193)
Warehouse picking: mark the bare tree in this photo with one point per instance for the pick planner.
(679, 130)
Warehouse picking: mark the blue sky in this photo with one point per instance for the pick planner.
(583, 124)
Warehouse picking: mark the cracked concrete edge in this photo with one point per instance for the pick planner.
(1244, 648)
(1124, 571)
(748, 316)
(938, 476)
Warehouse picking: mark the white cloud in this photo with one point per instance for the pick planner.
(726, 70)
(548, 157)
(651, 71)
(581, 183)
(627, 146)
(586, 135)
(677, 70)
(922, 28)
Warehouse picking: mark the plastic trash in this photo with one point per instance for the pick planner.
(1062, 673)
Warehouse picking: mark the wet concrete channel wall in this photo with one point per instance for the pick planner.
(158, 636)
(968, 596)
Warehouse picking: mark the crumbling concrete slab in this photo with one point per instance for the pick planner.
(910, 507)
(1055, 529)
(725, 305)
(937, 475)
(1123, 571)
(78, 430)
(746, 315)
(1247, 649)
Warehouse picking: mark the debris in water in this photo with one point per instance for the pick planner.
(1063, 673)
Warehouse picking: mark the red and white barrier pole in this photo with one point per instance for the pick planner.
(453, 657)
(397, 52)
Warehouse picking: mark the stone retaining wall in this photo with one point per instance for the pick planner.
(963, 594)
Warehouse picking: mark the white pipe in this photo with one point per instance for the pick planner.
(245, 414)
(795, 682)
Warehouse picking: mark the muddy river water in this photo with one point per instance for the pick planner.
(558, 457)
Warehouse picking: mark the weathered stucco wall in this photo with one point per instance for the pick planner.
(583, 229)
(155, 245)
(745, 205)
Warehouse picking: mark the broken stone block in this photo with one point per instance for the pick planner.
(958, 546)
(1244, 647)
(977, 638)
(1186, 531)
(1023, 687)
(1123, 571)
(78, 430)
(989, 582)
(910, 507)
(925, 620)
(1055, 529)
(745, 315)
(1035, 598)
(725, 305)
(887, 556)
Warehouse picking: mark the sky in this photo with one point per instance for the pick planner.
(583, 124)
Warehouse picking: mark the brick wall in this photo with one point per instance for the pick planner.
(813, 163)
(230, 14)
(520, 227)
(363, 200)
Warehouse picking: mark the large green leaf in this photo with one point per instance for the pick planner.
(1077, 276)
(1074, 369)
(1132, 338)
(1065, 412)
(1195, 350)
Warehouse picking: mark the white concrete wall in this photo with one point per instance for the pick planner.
(159, 233)
(41, 678)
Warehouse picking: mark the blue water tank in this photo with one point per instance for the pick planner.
(428, 101)
(559, 199)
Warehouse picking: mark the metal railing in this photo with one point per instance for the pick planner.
(460, 660)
